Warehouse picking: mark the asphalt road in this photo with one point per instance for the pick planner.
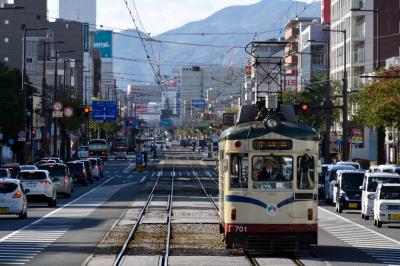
(68, 234)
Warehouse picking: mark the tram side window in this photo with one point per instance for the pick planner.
(305, 172)
(239, 170)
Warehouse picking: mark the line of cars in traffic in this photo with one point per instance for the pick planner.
(376, 192)
(43, 182)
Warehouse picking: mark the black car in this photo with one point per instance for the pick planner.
(348, 193)
(78, 172)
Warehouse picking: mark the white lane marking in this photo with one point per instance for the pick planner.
(375, 244)
(127, 169)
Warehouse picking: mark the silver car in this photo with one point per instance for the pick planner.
(61, 176)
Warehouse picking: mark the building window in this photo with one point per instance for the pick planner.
(6, 22)
(6, 39)
(5, 59)
(29, 60)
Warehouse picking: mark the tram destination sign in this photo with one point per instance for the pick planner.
(272, 144)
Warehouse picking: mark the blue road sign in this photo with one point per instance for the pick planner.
(104, 110)
(198, 103)
(166, 123)
(138, 157)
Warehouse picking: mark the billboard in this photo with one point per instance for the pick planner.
(103, 43)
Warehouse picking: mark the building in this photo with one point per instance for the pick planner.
(78, 10)
(366, 49)
(313, 45)
(292, 35)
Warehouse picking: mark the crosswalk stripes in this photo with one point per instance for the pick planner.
(19, 248)
(378, 246)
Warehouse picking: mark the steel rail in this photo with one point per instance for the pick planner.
(130, 237)
(205, 191)
(169, 221)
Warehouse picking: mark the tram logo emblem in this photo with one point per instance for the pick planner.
(272, 209)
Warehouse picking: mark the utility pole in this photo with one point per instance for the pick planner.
(24, 92)
(54, 100)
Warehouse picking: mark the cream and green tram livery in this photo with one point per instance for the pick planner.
(268, 185)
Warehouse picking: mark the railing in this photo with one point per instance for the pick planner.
(359, 31)
(358, 4)
(359, 56)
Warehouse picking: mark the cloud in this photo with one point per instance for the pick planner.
(157, 16)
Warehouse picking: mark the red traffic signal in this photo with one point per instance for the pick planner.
(304, 107)
(86, 110)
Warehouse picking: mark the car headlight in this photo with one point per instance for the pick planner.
(383, 207)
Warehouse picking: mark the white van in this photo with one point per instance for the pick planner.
(389, 168)
(370, 183)
(387, 204)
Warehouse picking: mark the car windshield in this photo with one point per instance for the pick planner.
(334, 170)
(272, 172)
(352, 181)
(54, 170)
(75, 168)
(390, 193)
(375, 180)
(31, 175)
(14, 171)
(84, 148)
(120, 149)
(3, 173)
(7, 187)
(28, 167)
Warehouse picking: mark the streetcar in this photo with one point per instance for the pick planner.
(268, 167)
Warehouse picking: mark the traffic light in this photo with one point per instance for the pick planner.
(390, 136)
(86, 110)
(304, 107)
(33, 133)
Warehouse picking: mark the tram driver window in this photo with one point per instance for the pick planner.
(272, 172)
(305, 172)
(239, 170)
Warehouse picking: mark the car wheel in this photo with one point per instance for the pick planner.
(379, 224)
(338, 208)
(23, 215)
(362, 216)
(91, 180)
(68, 195)
(374, 222)
(52, 203)
(366, 217)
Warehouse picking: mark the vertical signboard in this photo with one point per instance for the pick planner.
(103, 43)
(86, 37)
(326, 12)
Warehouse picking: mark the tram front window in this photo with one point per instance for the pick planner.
(272, 172)
(239, 170)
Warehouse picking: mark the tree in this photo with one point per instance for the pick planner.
(379, 106)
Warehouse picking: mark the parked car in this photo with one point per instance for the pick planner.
(387, 204)
(13, 198)
(347, 190)
(354, 164)
(95, 168)
(88, 169)
(121, 153)
(78, 172)
(368, 189)
(83, 152)
(41, 186)
(389, 168)
(5, 173)
(61, 176)
(330, 179)
(28, 167)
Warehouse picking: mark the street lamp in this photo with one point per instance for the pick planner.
(345, 147)
(56, 96)
(375, 11)
(23, 88)
(44, 98)
(328, 101)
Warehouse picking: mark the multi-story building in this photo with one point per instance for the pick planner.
(78, 10)
(365, 23)
(292, 57)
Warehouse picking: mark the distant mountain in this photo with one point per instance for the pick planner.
(268, 18)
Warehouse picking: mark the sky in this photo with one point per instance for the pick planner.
(157, 16)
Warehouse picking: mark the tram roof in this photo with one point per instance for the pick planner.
(257, 129)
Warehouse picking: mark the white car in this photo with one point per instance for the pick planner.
(370, 183)
(387, 204)
(95, 168)
(13, 198)
(354, 164)
(389, 168)
(83, 152)
(41, 186)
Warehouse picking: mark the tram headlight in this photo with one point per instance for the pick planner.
(272, 122)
